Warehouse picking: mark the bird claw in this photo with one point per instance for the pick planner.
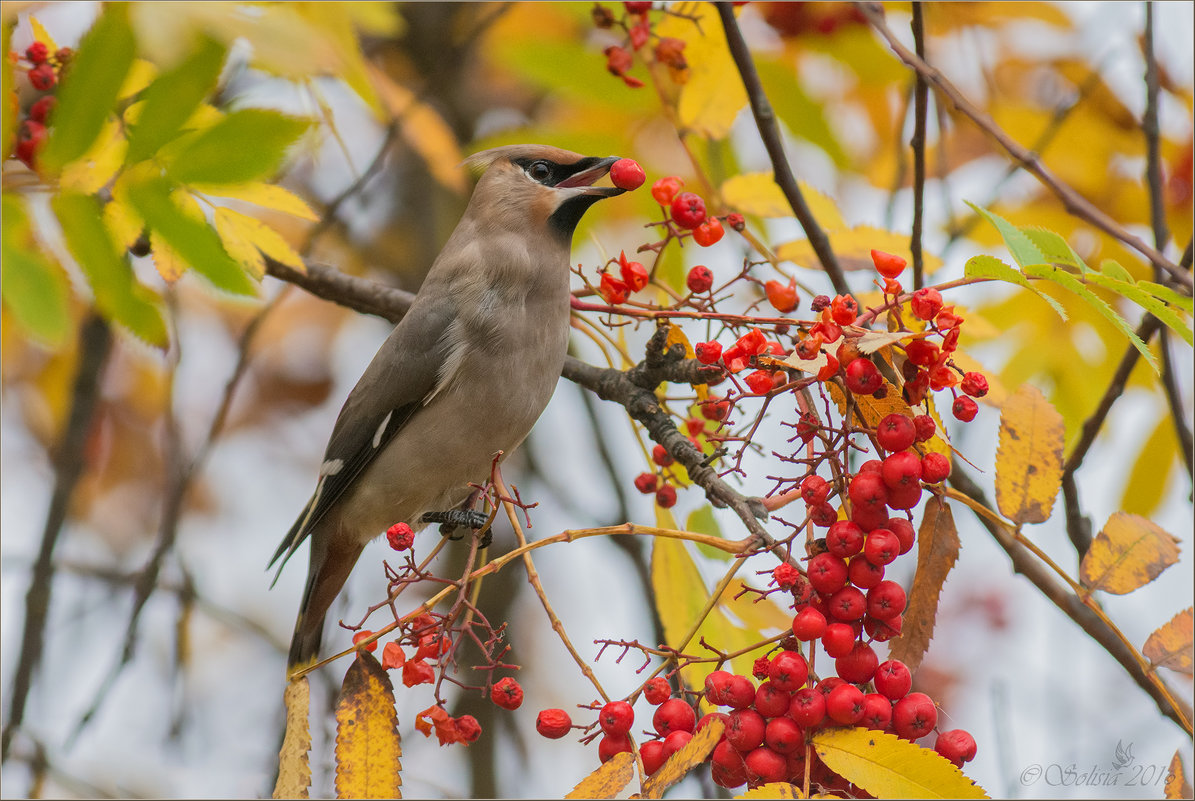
(453, 519)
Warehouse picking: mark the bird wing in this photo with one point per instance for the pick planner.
(402, 377)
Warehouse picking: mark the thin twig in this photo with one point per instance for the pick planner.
(1072, 201)
(920, 107)
(769, 131)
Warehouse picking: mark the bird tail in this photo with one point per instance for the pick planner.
(328, 570)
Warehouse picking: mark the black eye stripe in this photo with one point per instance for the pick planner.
(556, 172)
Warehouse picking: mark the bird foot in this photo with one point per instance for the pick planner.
(453, 519)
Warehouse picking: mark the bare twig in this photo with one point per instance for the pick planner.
(1072, 201)
(95, 342)
(769, 130)
(920, 107)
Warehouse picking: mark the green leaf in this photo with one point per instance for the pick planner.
(1146, 301)
(984, 266)
(88, 95)
(1072, 284)
(118, 296)
(702, 521)
(193, 240)
(247, 145)
(173, 97)
(1168, 295)
(1113, 269)
(1054, 247)
(1022, 248)
(34, 289)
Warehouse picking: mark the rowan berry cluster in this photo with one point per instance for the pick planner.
(43, 70)
(638, 38)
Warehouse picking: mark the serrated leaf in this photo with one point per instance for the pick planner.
(368, 745)
(1022, 248)
(1151, 304)
(268, 196)
(691, 755)
(607, 781)
(983, 266)
(1073, 284)
(34, 288)
(294, 769)
(782, 790)
(246, 239)
(937, 551)
(757, 193)
(171, 99)
(169, 264)
(1170, 646)
(94, 169)
(122, 222)
(246, 145)
(853, 248)
(88, 95)
(1054, 247)
(702, 521)
(118, 296)
(1130, 552)
(888, 767)
(194, 240)
(1029, 456)
(1168, 295)
(1113, 269)
(1177, 785)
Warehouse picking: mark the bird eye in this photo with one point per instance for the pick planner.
(539, 171)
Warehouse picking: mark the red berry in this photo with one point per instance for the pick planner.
(896, 432)
(785, 576)
(886, 600)
(765, 766)
(671, 51)
(814, 489)
(37, 52)
(647, 483)
(770, 700)
(759, 382)
(882, 630)
(784, 736)
(43, 77)
(616, 718)
(901, 469)
(862, 377)
(782, 297)
(613, 290)
(507, 694)
(400, 536)
(922, 353)
(844, 309)
(674, 715)
(740, 693)
(688, 210)
(717, 685)
(844, 539)
(887, 264)
(828, 685)
(964, 408)
(666, 496)
(700, 279)
(634, 275)
(925, 427)
(627, 174)
(827, 573)
(893, 679)
(675, 742)
(859, 665)
(839, 639)
(64, 54)
(956, 745)
(708, 352)
(848, 604)
(709, 718)
(808, 707)
(882, 547)
(904, 532)
(657, 691)
(661, 456)
(863, 574)
(845, 705)
(610, 745)
(715, 408)
(809, 624)
(947, 319)
(914, 716)
(926, 303)
(788, 672)
(974, 384)
(941, 377)
(736, 221)
(553, 723)
(708, 232)
(877, 712)
(745, 729)
(363, 635)
(40, 110)
(665, 189)
(637, 7)
(823, 515)
(868, 491)
(760, 668)
(727, 767)
(934, 467)
(652, 754)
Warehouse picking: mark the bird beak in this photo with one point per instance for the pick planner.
(586, 177)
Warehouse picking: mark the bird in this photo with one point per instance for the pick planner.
(463, 376)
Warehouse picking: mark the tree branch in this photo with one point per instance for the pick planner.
(920, 109)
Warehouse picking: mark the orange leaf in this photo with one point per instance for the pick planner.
(1029, 458)
(608, 780)
(1129, 553)
(937, 551)
(1177, 785)
(1170, 646)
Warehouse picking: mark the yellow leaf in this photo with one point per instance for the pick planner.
(368, 746)
(940, 441)
(40, 34)
(1029, 457)
(1129, 553)
(888, 767)
(691, 755)
(294, 770)
(937, 551)
(757, 193)
(122, 222)
(773, 790)
(167, 262)
(95, 168)
(337, 25)
(713, 95)
(268, 196)
(244, 236)
(853, 247)
(424, 130)
(874, 340)
(141, 74)
(1146, 481)
(608, 780)
(1177, 785)
(870, 410)
(1170, 646)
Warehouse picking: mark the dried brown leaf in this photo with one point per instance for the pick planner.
(608, 780)
(294, 770)
(937, 551)
(1129, 553)
(1170, 646)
